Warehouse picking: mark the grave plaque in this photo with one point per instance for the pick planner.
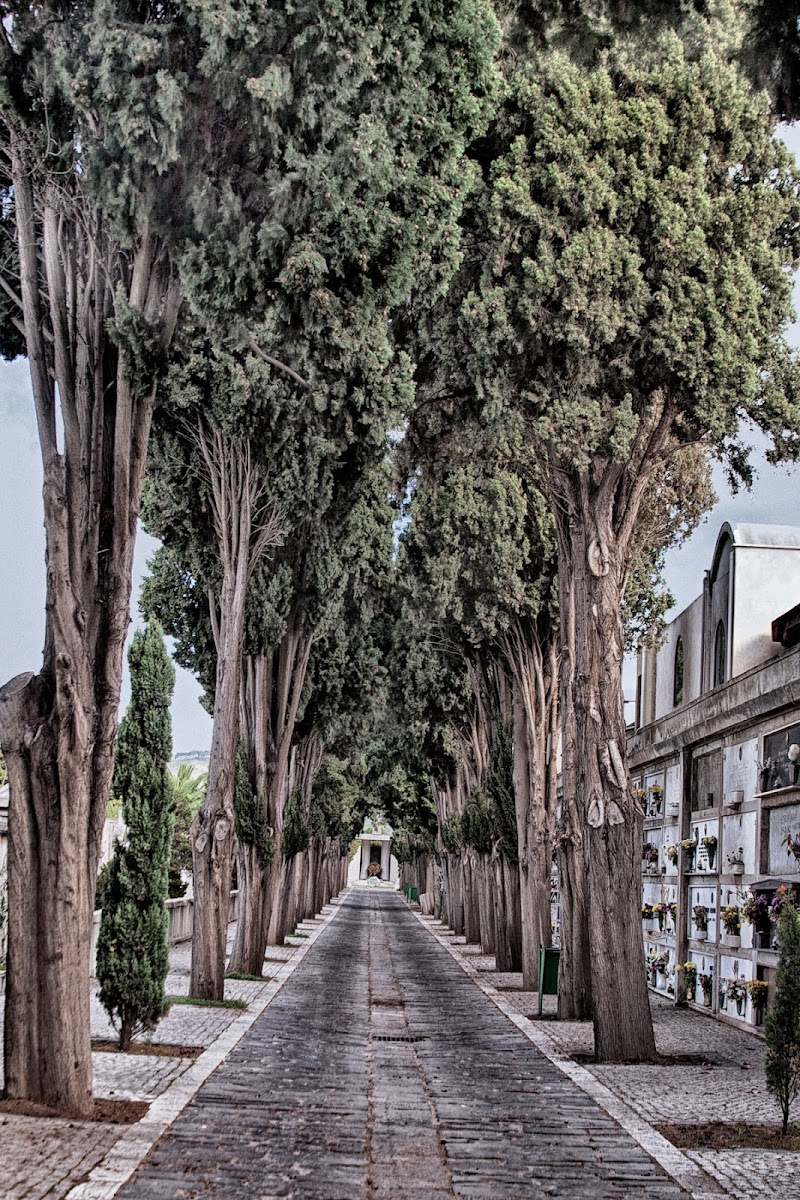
(783, 823)
(739, 768)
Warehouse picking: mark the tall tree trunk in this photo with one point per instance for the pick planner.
(244, 532)
(57, 728)
(574, 973)
(531, 659)
(486, 905)
(272, 684)
(503, 920)
(594, 564)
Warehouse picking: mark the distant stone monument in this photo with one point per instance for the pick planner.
(374, 863)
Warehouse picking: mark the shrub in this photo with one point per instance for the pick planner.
(132, 950)
(782, 1025)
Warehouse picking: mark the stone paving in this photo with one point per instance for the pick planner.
(380, 1072)
(728, 1087)
(52, 1158)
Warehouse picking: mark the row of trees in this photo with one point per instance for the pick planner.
(621, 301)
(542, 254)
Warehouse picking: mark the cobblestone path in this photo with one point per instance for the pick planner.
(380, 1071)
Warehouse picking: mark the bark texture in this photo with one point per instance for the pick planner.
(57, 727)
(592, 556)
(272, 685)
(244, 531)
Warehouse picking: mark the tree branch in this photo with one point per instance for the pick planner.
(276, 362)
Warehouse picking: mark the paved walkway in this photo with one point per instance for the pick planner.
(380, 1071)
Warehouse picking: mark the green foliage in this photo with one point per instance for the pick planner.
(782, 1025)
(188, 791)
(250, 814)
(637, 233)
(295, 832)
(500, 791)
(771, 53)
(477, 823)
(452, 833)
(3, 770)
(335, 800)
(132, 950)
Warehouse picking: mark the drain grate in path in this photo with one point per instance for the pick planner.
(388, 1037)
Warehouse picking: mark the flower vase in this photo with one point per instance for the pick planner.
(758, 1015)
(739, 1005)
(689, 861)
(733, 940)
(723, 1001)
(661, 922)
(706, 1000)
(701, 935)
(712, 854)
(737, 868)
(690, 993)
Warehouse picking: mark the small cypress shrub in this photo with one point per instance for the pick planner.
(782, 1025)
(294, 838)
(500, 791)
(477, 823)
(453, 833)
(250, 814)
(132, 949)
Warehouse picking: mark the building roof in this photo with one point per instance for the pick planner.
(782, 537)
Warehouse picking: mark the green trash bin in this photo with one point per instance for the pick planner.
(548, 972)
(413, 895)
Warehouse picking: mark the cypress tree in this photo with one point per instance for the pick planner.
(132, 951)
(782, 1025)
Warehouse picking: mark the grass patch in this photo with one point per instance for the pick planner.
(206, 1003)
(248, 978)
(719, 1135)
(294, 935)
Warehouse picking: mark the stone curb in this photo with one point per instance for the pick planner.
(116, 1168)
(670, 1158)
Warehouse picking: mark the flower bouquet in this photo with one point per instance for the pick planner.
(758, 998)
(707, 983)
(736, 992)
(732, 924)
(700, 918)
(710, 843)
(756, 910)
(689, 972)
(650, 856)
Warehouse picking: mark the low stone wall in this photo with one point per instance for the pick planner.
(181, 917)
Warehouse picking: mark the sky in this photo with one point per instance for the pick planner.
(773, 500)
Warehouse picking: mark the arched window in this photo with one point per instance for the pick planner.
(720, 654)
(677, 684)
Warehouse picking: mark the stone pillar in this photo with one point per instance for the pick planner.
(385, 860)
(365, 844)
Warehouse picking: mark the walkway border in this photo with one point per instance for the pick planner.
(127, 1153)
(670, 1158)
